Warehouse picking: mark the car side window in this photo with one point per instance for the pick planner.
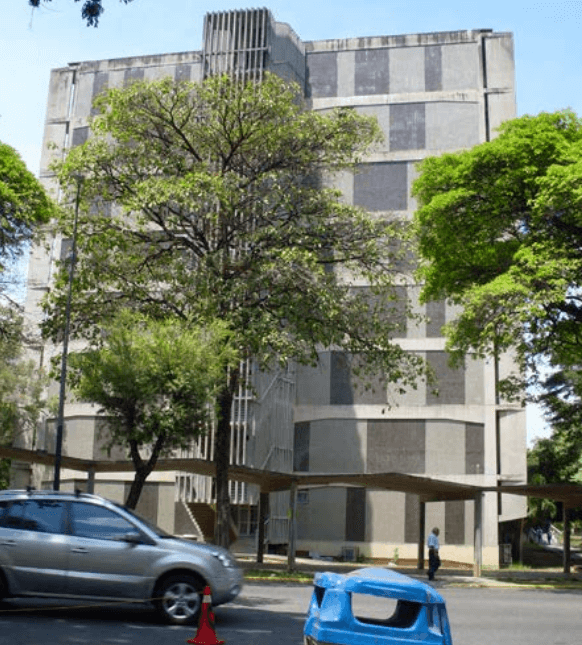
(4, 506)
(97, 522)
(41, 515)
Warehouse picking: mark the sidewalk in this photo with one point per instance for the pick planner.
(447, 576)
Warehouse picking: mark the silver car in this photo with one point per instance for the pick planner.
(81, 546)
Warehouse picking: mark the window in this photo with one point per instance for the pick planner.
(41, 515)
(434, 618)
(382, 610)
(92, 521)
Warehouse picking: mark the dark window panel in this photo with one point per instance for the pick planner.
(411, 519)
(407, 126)
(382, 186)
(341, 392)
(132, 75)
(435, 312)
(356, 514)
(372, 73)
(80, 135)
(455, 522)
(322, 75)
(450, 383)
(474, 448)
(183, 73)
(433, 68)
(301, 447)
(397, 445)
(100, 83)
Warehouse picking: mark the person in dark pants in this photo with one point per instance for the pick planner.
(434, 561)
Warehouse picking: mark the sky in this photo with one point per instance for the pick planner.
(548, 49)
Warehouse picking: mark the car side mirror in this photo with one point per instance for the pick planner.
(131, 537)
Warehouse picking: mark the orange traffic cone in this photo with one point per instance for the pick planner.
(206, 634)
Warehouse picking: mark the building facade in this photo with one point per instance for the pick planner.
(431, 93)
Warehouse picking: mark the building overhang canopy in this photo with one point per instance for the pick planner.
(428, 489)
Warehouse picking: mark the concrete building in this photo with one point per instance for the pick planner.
(432, 93)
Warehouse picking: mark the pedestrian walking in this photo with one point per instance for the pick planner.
(434, 561)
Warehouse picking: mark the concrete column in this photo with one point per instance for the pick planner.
(478, 535)
(421, 531)
(91, 481)
(292, 527)
(263, 504)
(566, 551)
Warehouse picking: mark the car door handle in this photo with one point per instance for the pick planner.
(80, 549)
(8, 543)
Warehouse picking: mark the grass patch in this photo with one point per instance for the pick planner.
(272, 575)
(545, 584)
(518, 566)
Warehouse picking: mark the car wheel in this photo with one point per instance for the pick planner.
(179, 599)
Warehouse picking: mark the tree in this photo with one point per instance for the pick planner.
(213, 201)
(154, 381)
(556, 459)
(499, 231)
(24, 206)
(91, 10)
(21, 386)
(559, 457)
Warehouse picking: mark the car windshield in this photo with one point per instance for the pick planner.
(156, 529)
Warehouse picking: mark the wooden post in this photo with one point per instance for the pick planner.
(292, 527)
(421, 531)
(521, 539)
(567, 555)
(478, 535)
(263, 504)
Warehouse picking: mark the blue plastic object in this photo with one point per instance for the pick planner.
(420, 613)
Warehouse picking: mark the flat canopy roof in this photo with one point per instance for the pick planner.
(427, 488)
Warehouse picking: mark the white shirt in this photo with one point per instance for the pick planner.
(433, 541)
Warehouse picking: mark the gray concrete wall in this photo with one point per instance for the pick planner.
(431, 93)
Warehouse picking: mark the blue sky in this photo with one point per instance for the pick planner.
(548, 47)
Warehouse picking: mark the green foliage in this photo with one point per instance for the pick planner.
(559, 457)
(21, 387)
(499, 232)
(154, 381)
(211, 201)
(23, 205)
(219, 192)
(91, 10)
(152, 378)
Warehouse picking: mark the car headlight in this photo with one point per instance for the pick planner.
(224, 558)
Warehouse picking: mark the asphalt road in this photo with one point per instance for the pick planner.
(274, 615)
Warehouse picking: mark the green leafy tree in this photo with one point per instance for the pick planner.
(499, 231)
(21, 387)
(91, 10)
(213, 201)
(155, 382)
(558, 458)
(24, 206)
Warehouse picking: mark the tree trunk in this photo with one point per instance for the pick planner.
(142, 469)
(222, 460)
(136, 487)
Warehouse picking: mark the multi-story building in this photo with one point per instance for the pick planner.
(431, 93)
